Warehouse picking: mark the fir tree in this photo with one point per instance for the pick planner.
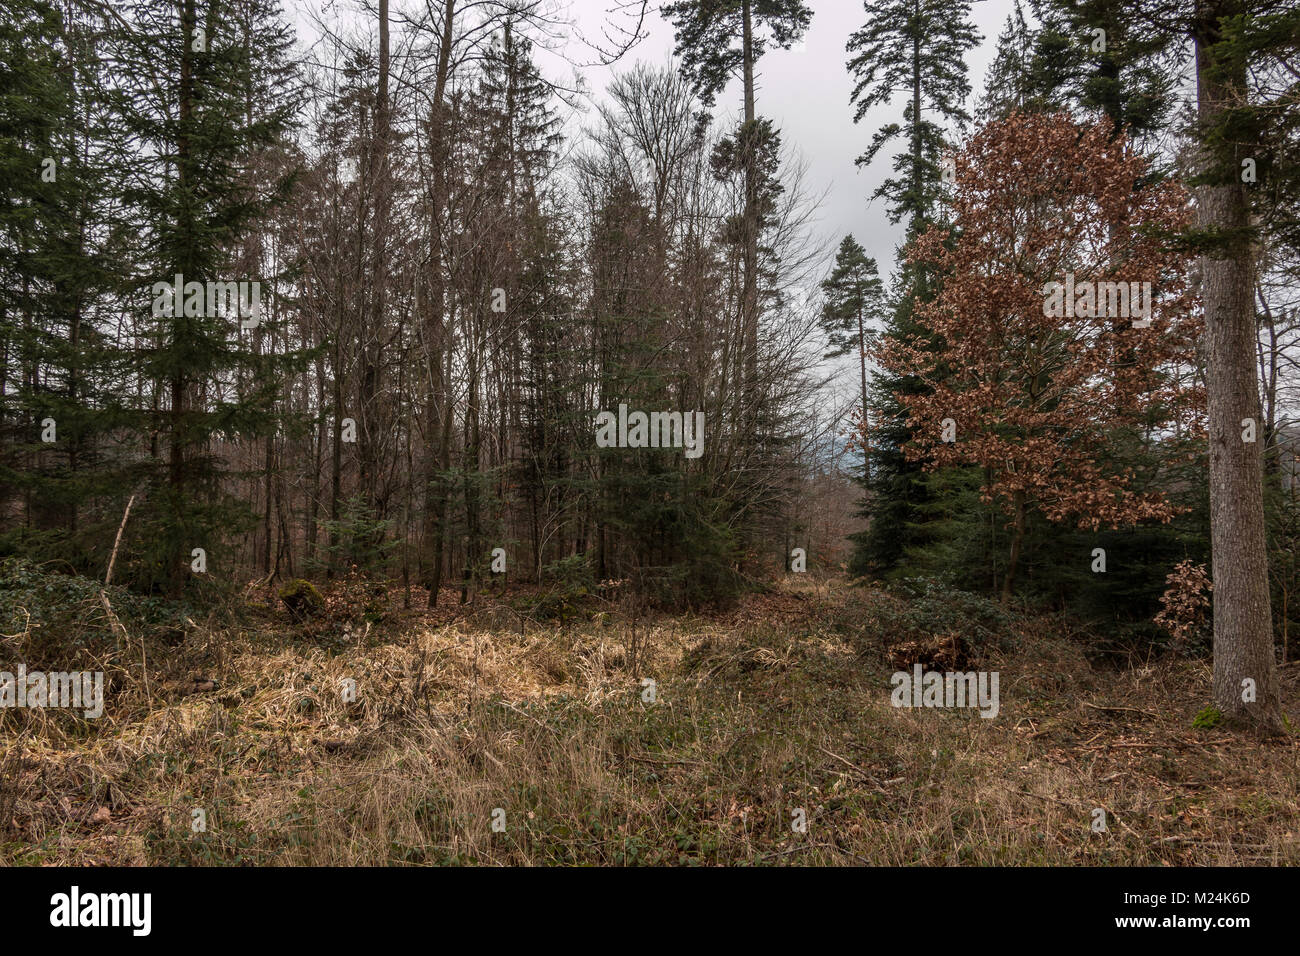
(853, 299)
(916, 47)
(191, 107)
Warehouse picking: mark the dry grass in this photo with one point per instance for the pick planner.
(780, 705)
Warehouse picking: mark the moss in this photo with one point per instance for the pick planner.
(302, 599)
(1209, 717)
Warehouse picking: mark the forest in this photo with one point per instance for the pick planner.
(458, 432)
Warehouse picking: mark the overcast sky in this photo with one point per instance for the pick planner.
(804, 91)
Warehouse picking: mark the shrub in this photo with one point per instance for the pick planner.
(565, 583)
(933, 608)
(1185, 606)
(302, 599)
(61, 613)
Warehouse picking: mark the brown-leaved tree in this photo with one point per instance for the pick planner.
(1062, 319)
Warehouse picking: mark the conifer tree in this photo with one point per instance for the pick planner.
(917, 48)
(853, 298)
(1009, 84)
(707, 31)
(188, 73)
(1099, 57)
(59, 250)
(1235, 131)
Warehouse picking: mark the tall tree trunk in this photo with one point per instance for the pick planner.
(437, 335)
(336, 466)
(749, 291)
(1268, 375)
(373, 371)
(176, 464)
(866, 432)
(1017, 540)
(313, 503)
(268, 473)
(471, 473)
(1243, 623)
(916, 134)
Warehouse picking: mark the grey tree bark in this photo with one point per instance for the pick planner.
(1243, 622)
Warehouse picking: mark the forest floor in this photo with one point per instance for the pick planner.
(776, 710)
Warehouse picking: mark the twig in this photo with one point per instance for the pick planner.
(108, 608)
(108, 578)
(1129, 710)
(849, 763)
(1043, 796)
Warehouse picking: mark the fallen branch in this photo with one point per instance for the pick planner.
(1127, 710)
(113, 620)
(848, 763)
(108, 578)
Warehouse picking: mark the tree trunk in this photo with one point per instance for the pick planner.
(437, 329)
(749, 291)
(916, 135)
(336, 468)
(866, 433)
(1017, 539)
(176, 571)
(1243, 624)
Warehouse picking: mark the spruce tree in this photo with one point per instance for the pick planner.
(1235, 132)
(707, 31)
(190, 76)
(1098, 56)
(853, 299)
(59, 249)
(1009, 84)
(917, 47)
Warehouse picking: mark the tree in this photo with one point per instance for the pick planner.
(917, 47)
(189, 75)
(1098, 56)
(1231, 37)
(705, 40)
(1038, 391)
(1009, 83)
(853, 295)
(58, 178)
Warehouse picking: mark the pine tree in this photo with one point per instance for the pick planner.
(853, 298)
(190, 77)
(917, 46)
(706, 36)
